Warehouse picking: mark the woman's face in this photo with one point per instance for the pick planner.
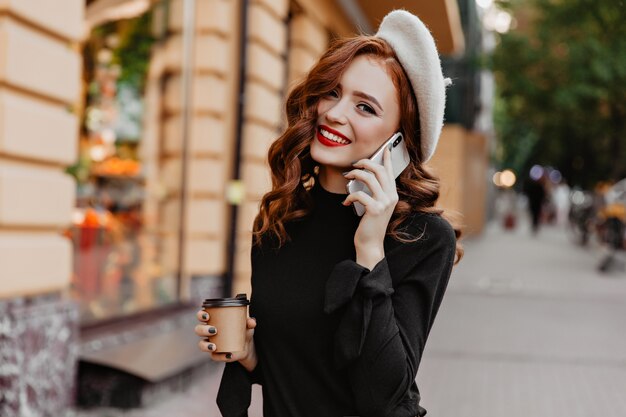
(357, 117)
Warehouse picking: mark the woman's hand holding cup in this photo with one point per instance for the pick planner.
(230, 347)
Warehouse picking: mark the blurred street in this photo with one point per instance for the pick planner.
(527, 328)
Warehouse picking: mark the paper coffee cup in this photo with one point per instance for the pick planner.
(229, 316)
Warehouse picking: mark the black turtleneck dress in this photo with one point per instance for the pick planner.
(334, 338)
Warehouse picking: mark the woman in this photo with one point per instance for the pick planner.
(344, 304)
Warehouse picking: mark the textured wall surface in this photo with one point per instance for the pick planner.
(38, 352)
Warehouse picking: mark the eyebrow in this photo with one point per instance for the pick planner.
(368, 97)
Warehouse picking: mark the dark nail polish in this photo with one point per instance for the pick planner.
(211, 346)
(205, 316)
(212, 330)
(229, 355)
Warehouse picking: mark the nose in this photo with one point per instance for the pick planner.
(337, 113)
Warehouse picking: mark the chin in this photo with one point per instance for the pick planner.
(337, 157)
(322, 157)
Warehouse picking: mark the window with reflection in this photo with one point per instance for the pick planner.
(126, 222)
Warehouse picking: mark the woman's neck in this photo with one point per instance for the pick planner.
(332, 180)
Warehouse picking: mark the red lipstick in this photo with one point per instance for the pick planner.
(328, 142)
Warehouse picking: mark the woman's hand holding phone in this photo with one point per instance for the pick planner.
(246, 357)
(400, 159)
(370, 235)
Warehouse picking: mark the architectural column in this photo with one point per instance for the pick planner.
(309, 40)
(461, 164)
(264, 92)
(210, 140)
(40, 69)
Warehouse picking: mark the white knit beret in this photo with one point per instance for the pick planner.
(415, 48)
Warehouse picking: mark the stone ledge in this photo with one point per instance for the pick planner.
(140, 365)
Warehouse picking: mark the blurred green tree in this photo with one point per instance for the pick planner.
(561, 88)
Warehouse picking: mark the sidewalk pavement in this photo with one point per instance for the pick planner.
(527, 328)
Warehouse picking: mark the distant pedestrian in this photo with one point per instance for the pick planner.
(561, 200)
(344, 304)
(536, 192)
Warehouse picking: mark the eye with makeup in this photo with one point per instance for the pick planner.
(366, 108)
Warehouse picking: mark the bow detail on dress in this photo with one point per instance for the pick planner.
(355, 287)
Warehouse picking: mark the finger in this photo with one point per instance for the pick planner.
(202, 315)
(206, 346)
(371, 206)
(369, 179)
(251, 323)
(379, 171)
(369, 165)
(205, 331)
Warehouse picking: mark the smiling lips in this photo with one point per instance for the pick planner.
(330, 137)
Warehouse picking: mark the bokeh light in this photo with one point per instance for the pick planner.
(508, 178)
(536, 172)
(505, 179)
(555, 176)
(496, 179)
(497, 20)
(578, 197)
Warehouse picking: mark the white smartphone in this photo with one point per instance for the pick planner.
(399, 161)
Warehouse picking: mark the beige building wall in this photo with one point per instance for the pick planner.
(40, 72)
(210, 137)
(309, 40)
(264, 88)
(461, 164)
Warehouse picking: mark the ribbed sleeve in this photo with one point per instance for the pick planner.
(235, 392)
(355, 287)
(385, 317)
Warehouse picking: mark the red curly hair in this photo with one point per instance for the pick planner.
(293, 169)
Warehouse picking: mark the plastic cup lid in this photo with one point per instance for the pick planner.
(237, 301)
